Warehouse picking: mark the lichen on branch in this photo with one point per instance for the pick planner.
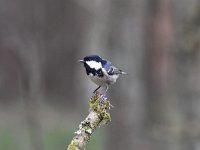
(98, 114)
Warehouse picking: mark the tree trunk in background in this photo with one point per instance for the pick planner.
(187, 78)
(24, 43)
(161, 103)
(173, 99)
(125, 47)
(65, 23)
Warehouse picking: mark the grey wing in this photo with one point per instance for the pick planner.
(107, 66)
(111, 70)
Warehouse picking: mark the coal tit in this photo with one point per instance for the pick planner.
(101, 71)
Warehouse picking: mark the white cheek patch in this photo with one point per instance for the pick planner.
(94, 64)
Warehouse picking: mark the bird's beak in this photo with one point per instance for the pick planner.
(81, 61)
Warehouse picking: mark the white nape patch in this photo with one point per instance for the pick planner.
(94, 64)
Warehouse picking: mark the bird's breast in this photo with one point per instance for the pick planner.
(104, 80)
(112, 78)
(98, 80)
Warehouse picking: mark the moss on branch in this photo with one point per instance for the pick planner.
(98, 114)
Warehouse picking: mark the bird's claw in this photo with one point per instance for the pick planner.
(103, 98)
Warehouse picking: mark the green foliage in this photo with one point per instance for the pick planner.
(56, 139)
(96, 142)
(8, 141)
(53, 139)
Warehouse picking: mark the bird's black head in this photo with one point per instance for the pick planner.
(90, 62)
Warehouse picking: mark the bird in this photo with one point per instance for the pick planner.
(101, 71)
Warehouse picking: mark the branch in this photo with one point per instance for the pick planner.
(98, 114)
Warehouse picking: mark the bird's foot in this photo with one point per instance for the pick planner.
(103, 98)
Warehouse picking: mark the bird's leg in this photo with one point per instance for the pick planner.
(103, 97)
(96, 89)
(106, 90)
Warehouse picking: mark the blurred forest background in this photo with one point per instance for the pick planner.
(44, 91)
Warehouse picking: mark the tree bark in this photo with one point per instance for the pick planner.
(98, 114)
